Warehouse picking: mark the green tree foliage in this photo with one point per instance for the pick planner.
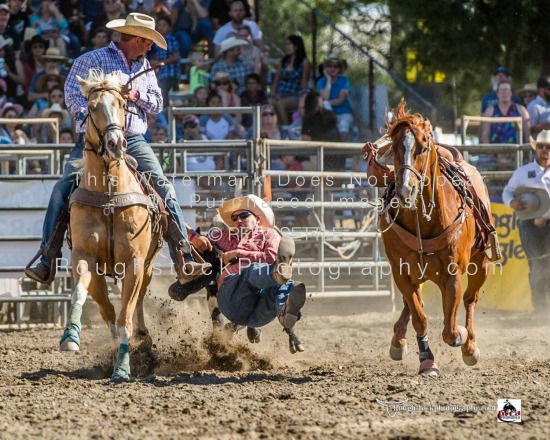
(468, 39)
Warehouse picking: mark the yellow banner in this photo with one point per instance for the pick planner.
(507, 287)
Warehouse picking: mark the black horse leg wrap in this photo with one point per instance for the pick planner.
(424, 348)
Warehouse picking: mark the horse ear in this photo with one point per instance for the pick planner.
(82, 82)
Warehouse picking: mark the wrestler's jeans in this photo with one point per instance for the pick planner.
(536, 244)
(147, 163)
(252, 298)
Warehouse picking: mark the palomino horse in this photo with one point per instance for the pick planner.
(434, 229)
(111, 228)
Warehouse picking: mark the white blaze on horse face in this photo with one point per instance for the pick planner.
(115, 143)
(407, 191)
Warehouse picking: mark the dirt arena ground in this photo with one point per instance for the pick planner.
(185, 386)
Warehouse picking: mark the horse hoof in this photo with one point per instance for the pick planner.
(428, 368)
(68, 345)
(397, 354)
(471, 360)
(119, 375)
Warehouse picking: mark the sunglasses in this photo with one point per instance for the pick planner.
(222, 83)
(57, 96)
(190, 125)
(543, 146)
(242, 216)
(268, 114)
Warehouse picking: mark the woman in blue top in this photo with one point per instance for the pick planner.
(292, 76)
(334, 89)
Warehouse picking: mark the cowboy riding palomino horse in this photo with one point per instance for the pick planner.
(112, 226)
(436, 225)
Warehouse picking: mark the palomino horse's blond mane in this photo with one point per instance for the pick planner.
(98, 78)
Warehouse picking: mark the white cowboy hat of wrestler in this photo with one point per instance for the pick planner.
(250, 203)
(138, 25)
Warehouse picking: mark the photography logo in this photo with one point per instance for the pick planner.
(509, 410)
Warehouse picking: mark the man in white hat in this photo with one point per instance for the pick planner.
(126, 56)
(528, 194)
(231, 63)
(237, 13)
(255, 285)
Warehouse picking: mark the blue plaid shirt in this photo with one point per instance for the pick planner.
(171, 70)
(237, 71)
(111, 59)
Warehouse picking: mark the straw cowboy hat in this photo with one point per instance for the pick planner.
(53, 54)
(537, 200)
(220, 76)
(528, 88)
(542, 138)
(5, 42)
(230, 43)
(41, 82)
(139, 25)
(252, 203)
(55, 108)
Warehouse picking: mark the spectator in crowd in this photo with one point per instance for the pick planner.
(230, 62)
(168, 76)
(99, 37)
(52, 60)
(198, 162)
(507, 132)
(93, 8)
(295, 127)
(159, 134)
(539, 108)
(252, 96)
(527, 193)
(47, 134)
(490, 98)
(43, 86)
(199, 97)
(33, 61)
(6, 31)
(155, 121)
(269, 126)
(52, 25)
(224, 88)
(320, 124)
(66, 136)
(198, 74)
(11, 70)
(77, 32)
(527, 94)
(334, 89)
(219, 12)
(15, 132)
(252, 54)
(112, 10)
(237, 14)
(19, 17)
(216, 126)
(191, 23)
(292, 75)
(3, 89)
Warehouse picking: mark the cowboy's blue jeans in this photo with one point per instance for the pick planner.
(252, 298)
(147, 163)
(536, 244)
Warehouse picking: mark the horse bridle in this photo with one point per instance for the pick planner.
(110, 127)
(422, 176)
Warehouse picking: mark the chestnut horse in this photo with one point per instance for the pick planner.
(111, 227)
(431, 229)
